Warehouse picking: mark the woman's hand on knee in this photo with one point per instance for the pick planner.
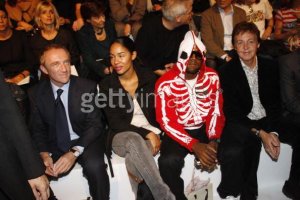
(155, 142)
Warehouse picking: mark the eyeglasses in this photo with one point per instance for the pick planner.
(197, 54)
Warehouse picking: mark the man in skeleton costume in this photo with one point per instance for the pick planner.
(189, 110)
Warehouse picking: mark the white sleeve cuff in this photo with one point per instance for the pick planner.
(275, 133)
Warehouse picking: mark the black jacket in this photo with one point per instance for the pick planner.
(119, 108)
(87, 125)
(16, 148)
(238, 100)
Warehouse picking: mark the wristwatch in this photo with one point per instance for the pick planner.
(75, 152)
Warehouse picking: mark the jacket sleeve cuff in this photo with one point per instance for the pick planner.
(191, 144)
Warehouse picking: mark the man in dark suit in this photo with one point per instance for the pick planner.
(216, 27)
(21, 170)
(81, 136)
(252, 110)
(289, 66)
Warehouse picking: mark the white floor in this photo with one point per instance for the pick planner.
(271, 177)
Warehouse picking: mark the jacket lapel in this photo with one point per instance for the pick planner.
(242, 81)
(73, 98)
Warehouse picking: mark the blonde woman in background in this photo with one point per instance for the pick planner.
(49, 32)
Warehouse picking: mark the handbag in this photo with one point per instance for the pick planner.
(199, 189)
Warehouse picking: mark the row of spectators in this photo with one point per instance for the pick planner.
(88, 28)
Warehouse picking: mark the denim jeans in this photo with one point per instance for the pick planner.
(140, 162)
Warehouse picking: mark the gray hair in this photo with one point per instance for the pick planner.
(174, 8)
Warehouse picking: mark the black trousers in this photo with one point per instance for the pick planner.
(239, 153)
(94, 169)
(290, 134)
(171, 161)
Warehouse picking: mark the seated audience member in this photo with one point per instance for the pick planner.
(258, 12)
(252, 110)
(287, 21)
(127, 15)
(63, 132)
(22, 172)
(131, 118)
(79, 22)
(216, 30)
(14, 50)
(289, 66)
(21, 12)
(158, 40)
(189, 110)
(94, 39)
(49, 32)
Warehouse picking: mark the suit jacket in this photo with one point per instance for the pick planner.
(289, 66)
(212, 30)
(87, 125)
(15, 141)
(238, 100)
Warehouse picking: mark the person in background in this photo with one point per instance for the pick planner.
(21, 12)
(259, 12)
(158, 40)
(216, 31)
(289, 66)
(189, 110)
(63, 130)
(14, 50)
(49, 32)
(252, 108)
(22, 172)
(127, 16)
(94, 40)
(287, 21)
(79, 22)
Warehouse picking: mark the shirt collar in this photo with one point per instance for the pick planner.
(221, 10)
(245, 67)
(65, 87)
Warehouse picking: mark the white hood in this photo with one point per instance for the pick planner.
(186, 48)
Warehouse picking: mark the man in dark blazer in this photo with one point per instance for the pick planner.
(84, 140)
(289, 66)
(21, 170)
(216, 27)
(252, 109)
